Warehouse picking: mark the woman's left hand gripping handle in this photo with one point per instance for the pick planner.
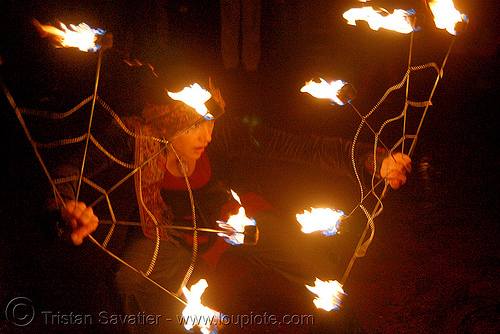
(81, 219)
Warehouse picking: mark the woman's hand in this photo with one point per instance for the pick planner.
(395, 168)
(82, 220)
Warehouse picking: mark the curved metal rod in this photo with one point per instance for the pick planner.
(134, 269)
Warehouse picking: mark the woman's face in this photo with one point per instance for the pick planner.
(191, 144)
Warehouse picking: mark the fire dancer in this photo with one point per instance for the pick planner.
(164, 200)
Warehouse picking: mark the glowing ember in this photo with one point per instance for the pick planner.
(324, 90)
(82, 36)
(195, 314)
(194, 96)
(445, 15)
(325, 220)
(235, 225)
(398, 21)
(329, 294)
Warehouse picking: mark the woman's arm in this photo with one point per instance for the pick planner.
(233, 139)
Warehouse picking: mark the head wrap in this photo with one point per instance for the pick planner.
(165, 120)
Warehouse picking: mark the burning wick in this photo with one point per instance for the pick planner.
(339, 92)
(446, 16)
(82, 36)
(240, 229)
(195, 314)
(329, 294)
(325, 220)
(194, 96)
(325, 90)
(398, 21)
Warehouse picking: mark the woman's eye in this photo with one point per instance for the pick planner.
(198, 126)
(193, 128)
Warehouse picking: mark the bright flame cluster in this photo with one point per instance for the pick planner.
(329, 294)
(194, 96)
(398, 21)
(195, 314)
(235, 225)
(324, 90)
(445, 15)
(325, 220)
(81, 36)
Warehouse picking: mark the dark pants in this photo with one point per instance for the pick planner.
(281, 249)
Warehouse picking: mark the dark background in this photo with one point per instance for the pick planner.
(433, 266)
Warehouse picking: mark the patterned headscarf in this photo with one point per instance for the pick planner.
(166, 120)
(162, 121)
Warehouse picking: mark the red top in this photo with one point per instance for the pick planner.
(252, 202)
(200, 177)
(202, 173)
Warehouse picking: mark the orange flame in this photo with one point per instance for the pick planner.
(194, 96)
(324, 90)
(236, 223)
(329, 294)
(398, 21)
(195, 314)
(325, 220)
(82, 36)
(445, 15)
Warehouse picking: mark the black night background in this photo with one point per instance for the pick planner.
(434, 264)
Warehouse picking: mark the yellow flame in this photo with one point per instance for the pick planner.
(324, 90)
(329, 294)
(195, 314)
(194, 96)
(398, 21)
(82, 36)
(445, 15)
(238, 222)
(326, 220)
(234, 228)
